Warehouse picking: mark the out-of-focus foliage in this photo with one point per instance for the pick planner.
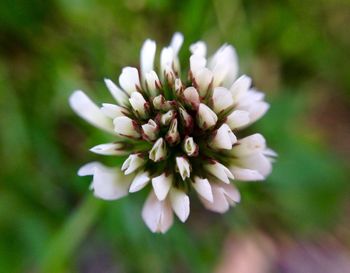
(296, 51)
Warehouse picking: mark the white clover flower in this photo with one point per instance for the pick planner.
(179, 135)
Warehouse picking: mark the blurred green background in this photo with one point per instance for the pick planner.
(295, 51)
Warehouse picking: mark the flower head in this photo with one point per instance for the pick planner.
(179, 134)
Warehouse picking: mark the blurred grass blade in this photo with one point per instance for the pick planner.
(67, 240)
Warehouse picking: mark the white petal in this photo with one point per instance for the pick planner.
(158, 151)
(153, 83)
(257, 110)
(224, 196)
(224, 65)
(183, 166)
(232, 194)
(118, 94)
(139, 182)
(246, 174)
(240, 87)
(112, 111)
(108, 183)
(203, 80)
(191, 97)
(109, 149)
(166, 60)
(161, 185)
(129, 79)
(219, 171)
(219, 203)
(197, 63)
(157, 215)
(125, 126)
(238, 119)
(249, 145)
(206, 118)
(132, 163)
(203, 188)
(223, 139)
(89, 168)
(148, 52)
(199, 48)
(150, 130)
(86, 109)
(257, 162)
(176, 42)
(269, 152)
(138, 103)
(222, 99)
(180, 204)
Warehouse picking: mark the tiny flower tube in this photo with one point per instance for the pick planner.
(173, 136)
(158, 151)
(190, 147)
(150, 130)
(183, 166)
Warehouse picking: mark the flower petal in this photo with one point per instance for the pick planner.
(180, 204)
(86, 109)
(257, 162)
(112, 111)
(125, 126)
(118, 94)
(176, 42)
(206, 118)
(219, 171)
(237, 119)
(224, 196)
(148, 52)
(109, 149)
(129, 80)
(157, 215)
(223, 139)
(243, 174)
(224, 65)
(158, 151)
(222, 99)
(199, 48)
(132, 163)
(108, 183)
(139, 105)
(139, 182)
(249, 145)
(183, 166)
(161, 185)
(203, 188)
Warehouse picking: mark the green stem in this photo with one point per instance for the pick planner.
(69, 237)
